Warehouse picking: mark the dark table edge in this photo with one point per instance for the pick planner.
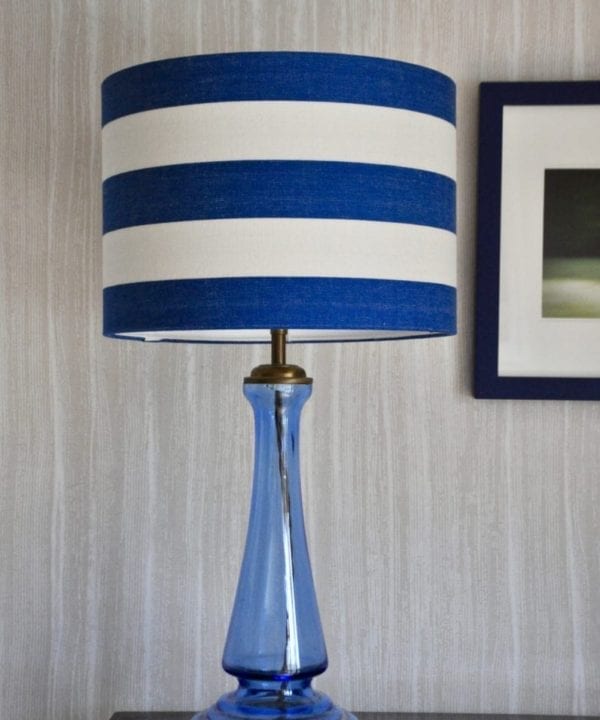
(189, 715)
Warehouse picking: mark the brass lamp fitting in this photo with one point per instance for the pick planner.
(278, 372)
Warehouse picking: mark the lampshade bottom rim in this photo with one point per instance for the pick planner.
(263, 335)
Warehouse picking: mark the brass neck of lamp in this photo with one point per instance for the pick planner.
(278, 372)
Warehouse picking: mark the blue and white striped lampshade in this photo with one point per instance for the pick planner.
(249, 191)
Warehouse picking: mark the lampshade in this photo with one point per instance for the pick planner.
(308, 191)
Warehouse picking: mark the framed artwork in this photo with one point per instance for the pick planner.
(538, 227)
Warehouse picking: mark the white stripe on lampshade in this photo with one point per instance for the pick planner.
(279, 130)
(288, 247)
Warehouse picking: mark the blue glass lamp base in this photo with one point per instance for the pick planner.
(275, 700)
(275, 645)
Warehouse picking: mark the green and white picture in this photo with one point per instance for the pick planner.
(571, 279)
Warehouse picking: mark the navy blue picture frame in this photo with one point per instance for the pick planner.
(492, 99)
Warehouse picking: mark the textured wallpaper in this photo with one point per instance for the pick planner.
(455, 542)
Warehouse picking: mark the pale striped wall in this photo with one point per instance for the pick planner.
(455, 542)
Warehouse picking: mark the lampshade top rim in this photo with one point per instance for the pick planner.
(281, 53)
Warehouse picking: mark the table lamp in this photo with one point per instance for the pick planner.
(266, 197)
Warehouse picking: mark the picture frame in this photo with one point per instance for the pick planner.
(537, 333)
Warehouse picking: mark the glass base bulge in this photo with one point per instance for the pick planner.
(274, 700)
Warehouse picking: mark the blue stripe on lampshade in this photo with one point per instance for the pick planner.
(272, 188)
(322, 77)
(342, 304)
(248, 191)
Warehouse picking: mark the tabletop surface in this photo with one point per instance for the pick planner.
(167, 715)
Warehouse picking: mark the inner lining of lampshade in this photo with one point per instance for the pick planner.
(263, 336)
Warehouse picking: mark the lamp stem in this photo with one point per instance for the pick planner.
(278, 346)
(275, 632)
